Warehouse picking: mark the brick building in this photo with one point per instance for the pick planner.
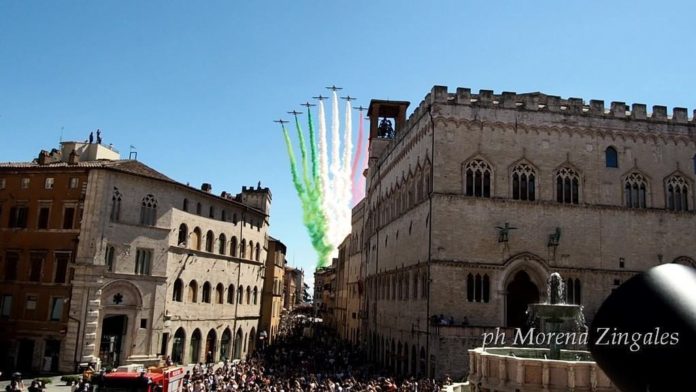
(156, 267)
(475, 198)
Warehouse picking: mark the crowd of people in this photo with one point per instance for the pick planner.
(296, 363)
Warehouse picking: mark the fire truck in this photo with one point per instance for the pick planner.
(135, 378)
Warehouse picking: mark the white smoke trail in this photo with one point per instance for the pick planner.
(327, 201)
(335, 171)
(346, 180)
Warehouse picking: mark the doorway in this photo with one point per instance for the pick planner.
(521, 292)
(25, 355)
(113, 331)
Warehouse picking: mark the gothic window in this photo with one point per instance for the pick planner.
(573, 291)
(523, 182)
(148, 210)
(233, 246)
(206, 292)
(185, 206)
(257, 253)
(677, 193)
(478, 288)
(193, 292)
(230, 294)
(183, 235)
(242, 249)
(219, 293)
(109, 258)
(199, 208)
(611, 157)
(248, 295)
(240, 295)
(143, 261)
(256, 295)
(406, 288)
(415, 285)
(211, 212)
(178, 288)
(635, 191)
(116, 206)
(223, 244)
(567, 186)
(424, 285)
(477, 178)
(196, 238)
(209, 240)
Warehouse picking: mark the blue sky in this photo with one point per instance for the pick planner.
(195, 85)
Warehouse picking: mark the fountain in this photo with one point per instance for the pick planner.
(555, 316)
(552, 324)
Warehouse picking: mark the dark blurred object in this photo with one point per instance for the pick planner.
(644, 334)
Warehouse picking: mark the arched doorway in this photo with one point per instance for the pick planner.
(178, 346)
(210, 349)
(195, 346)
(521, 291)
(238, 344)
(225, 344)
(252, 340)
(112, 336)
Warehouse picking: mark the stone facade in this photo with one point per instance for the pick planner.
(272, 299)
(294, 287)
(476, 198)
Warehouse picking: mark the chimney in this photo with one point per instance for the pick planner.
(206, 187)
(73, 159)
(44, 158)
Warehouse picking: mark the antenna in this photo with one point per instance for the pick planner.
(61, 135)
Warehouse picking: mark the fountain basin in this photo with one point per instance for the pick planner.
(512, 369)
(560, 312)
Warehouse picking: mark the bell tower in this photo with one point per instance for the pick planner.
(387, 119)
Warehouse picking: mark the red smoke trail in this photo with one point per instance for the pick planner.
(357, 177)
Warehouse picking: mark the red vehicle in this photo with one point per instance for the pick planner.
(136, 379)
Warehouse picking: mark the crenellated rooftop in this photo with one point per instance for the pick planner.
(539, 102)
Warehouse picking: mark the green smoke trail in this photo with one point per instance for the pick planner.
(312, 214)
(303, 154)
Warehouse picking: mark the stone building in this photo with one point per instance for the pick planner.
(475, 198)
(349, 286)
(160, 268)
(293, 291)
(325, 294)
(272, 298)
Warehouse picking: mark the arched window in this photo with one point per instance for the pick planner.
(567, 186)
(148, 211)
(109, 258)
(407, 281)
(116, 206)
(477, 178)
(635, 191)
(478, 288)
(211, 212)
(183, 235)
(233, 246)
(199, 208)
(573, 291)
(209, 240)
(206, 292)
(424, 285)
(251, 250)
(240, 295)
(223, 244)
(611, 157)
(257, 254)
(248, 295)
(230, 294)
(185, 206)
(219, 293)
(415, 285)
(223, 215)
(234, 218)
(178, 290)
(242, 249)
(196, 239)
(677, 193)
(255, 295)
(523, 182)
(193, 292)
